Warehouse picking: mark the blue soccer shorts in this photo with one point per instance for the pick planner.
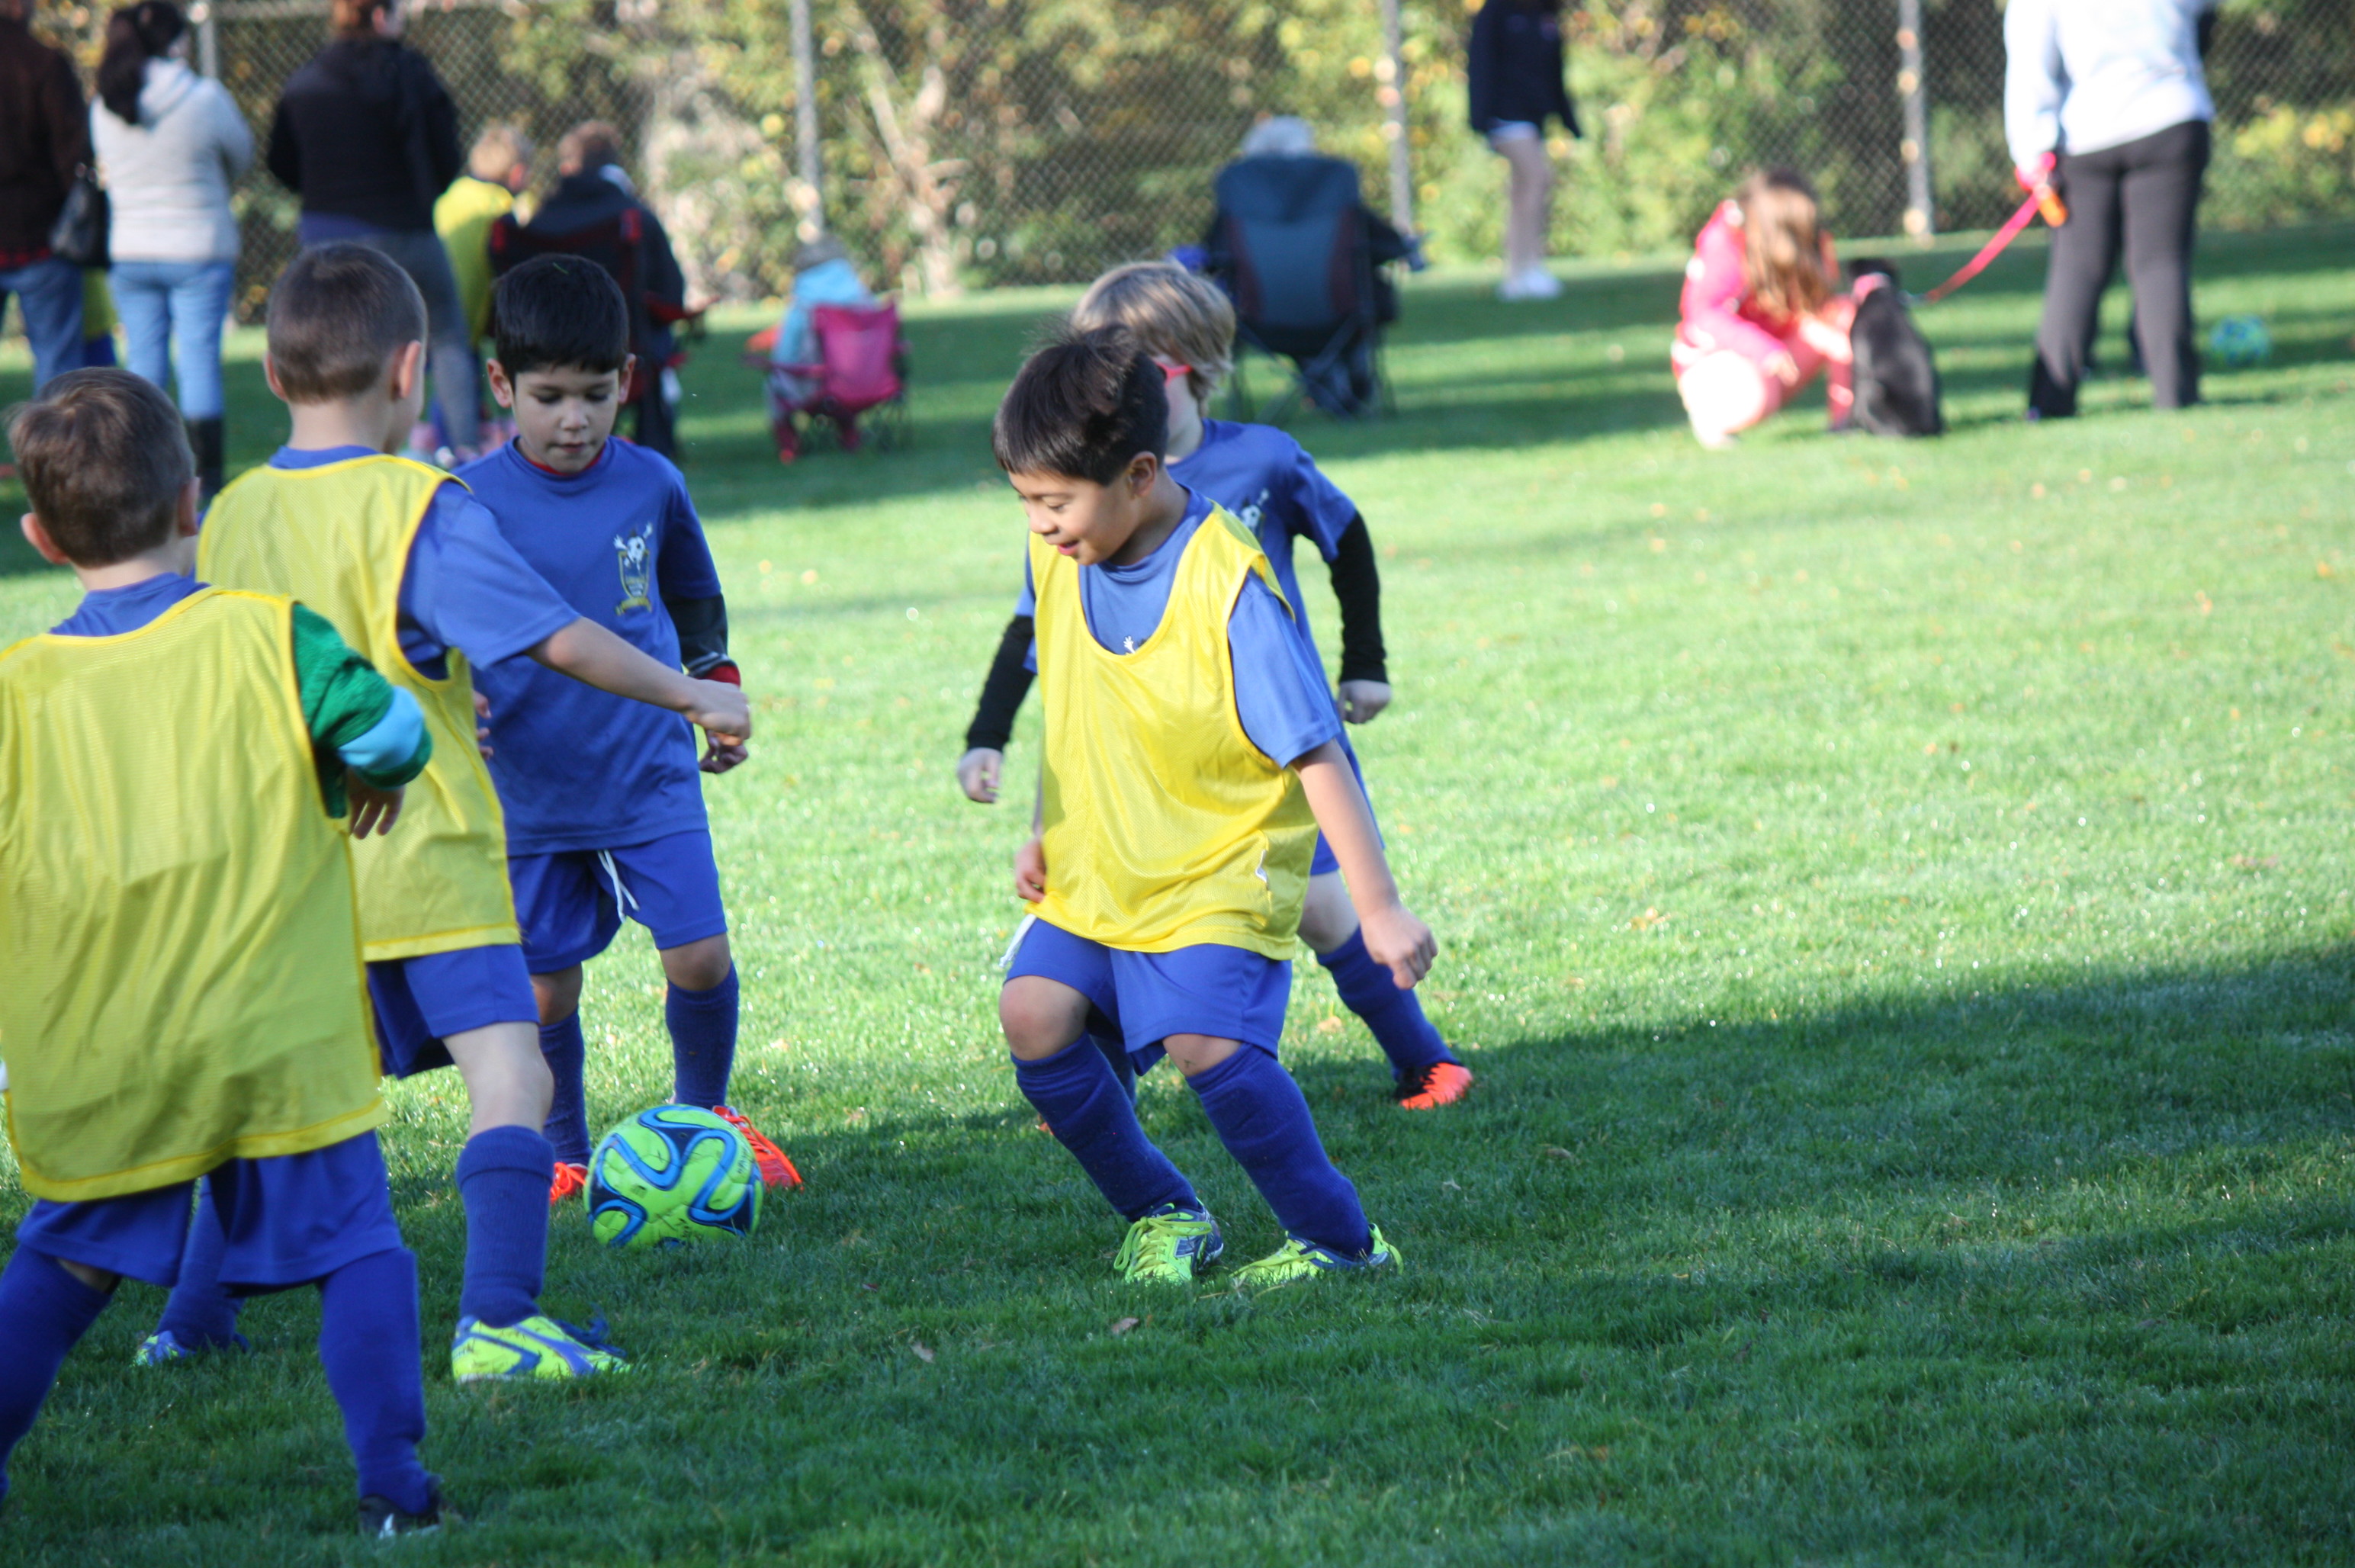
(570, 902)
(1142, 998)
(420, 1002)
(290, 1219)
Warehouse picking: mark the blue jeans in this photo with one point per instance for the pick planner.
(49, 293)
(171, 313)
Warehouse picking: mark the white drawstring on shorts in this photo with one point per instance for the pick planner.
(622, 899)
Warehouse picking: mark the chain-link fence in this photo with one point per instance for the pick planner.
(970, 143)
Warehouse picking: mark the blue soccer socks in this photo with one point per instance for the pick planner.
(502, 1179)
(1077, 1096)
(44, 1311)
(1260, 1114)
(567, 1055)
(200, 1315)
(368, 1341)
(1395, 1016)
(1116, 1057)
(702, 1042)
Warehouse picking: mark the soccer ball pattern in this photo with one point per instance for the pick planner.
(2241, 340)
(671, 1175)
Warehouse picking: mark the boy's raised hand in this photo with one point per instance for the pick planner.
(1401, 943)
(1361, 700)
(721, 712)
(979, 772)
(718, 759)
(373, 810)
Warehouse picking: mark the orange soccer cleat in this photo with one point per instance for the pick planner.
(1441, 1084)
(776, 1170)
(570, 1181)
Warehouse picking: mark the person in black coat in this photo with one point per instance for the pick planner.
(585, 214)
(1515, 67)
(367, 136)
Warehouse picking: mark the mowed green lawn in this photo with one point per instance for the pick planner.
(1894, 896)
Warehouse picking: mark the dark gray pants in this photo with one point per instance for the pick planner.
(449, 346)
(2140, 197)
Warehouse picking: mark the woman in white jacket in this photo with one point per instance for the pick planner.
(2107, 101)
(170, 144)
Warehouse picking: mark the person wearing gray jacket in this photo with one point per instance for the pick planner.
(2106, 100)
(170, 144)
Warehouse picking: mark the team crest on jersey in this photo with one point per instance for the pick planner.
(634, 557)
(1249, 516)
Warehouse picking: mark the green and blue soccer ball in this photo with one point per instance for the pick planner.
(2241, 341)
(672, 1175)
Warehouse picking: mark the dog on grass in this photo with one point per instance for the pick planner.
(1896, 375)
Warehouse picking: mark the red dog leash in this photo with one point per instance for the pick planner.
(2042, 198)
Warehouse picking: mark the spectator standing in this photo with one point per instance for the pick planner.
(2107, 101)
(1515, 67)
(44, 139)
(170, 144)
(367, 136)
(497, 170)
(594, 208)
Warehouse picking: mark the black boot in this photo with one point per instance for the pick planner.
(205, 436)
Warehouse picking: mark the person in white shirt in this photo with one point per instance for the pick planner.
(2105, 101)
(170, 144)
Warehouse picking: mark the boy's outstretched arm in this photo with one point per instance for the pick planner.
(595, 656)
(1394, 937)
(1365, 689)
(983, 764)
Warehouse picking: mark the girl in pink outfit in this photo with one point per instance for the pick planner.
(1762, 311)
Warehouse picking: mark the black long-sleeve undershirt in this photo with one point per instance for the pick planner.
(1356, 584)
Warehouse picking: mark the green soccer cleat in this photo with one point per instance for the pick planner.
(539, 1346)
(1169, 1246)
(1297, 1260)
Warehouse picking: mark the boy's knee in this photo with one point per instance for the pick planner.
(1040, 1017)
(694, 965)
(1327, 916)
(557, 994)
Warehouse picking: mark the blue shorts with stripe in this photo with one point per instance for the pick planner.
(570, 902)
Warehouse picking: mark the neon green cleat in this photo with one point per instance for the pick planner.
(1169, 1246)
(1297, 1260)
(539, 1346)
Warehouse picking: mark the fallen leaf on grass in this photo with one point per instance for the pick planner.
(1648, 919)
(1328, 1026)
(1123, 1325)
(924, 1351)
(1555, 1151)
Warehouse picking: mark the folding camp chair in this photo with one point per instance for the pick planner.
(612, 244)
(862, 369)
(1292, 244)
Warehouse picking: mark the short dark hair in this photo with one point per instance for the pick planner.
(1083, 406)
(555, 311)
(337, 316)
(103, 460)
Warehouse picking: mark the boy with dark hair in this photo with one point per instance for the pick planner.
(413, 571)
(1192, 755)
(1186, 323)
(184, 995)
(605, 808)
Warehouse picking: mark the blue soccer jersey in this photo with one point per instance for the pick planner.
(577, 768)
(1263, 478)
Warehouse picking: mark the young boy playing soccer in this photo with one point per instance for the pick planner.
(184, 997)
(414, 573)
(604, 806)
(1192, 757)
(1263, 478)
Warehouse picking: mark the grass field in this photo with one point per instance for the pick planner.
(1894, 896)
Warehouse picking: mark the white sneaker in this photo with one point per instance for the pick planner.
(1530, 284)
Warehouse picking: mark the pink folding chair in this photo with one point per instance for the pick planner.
(862, 369)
